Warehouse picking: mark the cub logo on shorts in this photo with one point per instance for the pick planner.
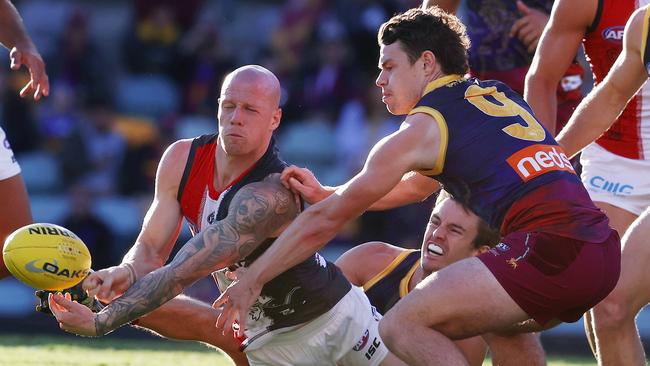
(535, 160)
(362, 342)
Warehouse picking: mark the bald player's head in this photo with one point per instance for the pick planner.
(265, 81)
(249, 110)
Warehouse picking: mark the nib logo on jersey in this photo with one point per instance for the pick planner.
(614, 34)
(535, 160)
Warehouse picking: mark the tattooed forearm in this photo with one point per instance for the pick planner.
(146, 294)
(256, 213)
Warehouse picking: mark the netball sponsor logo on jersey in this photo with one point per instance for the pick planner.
(614, 34)
(535, 160)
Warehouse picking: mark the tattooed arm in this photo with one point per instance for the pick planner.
(258, 211)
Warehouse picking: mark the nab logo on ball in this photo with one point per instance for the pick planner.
(46, 256)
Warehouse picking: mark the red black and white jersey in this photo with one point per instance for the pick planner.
(629, 136)
(296, 296)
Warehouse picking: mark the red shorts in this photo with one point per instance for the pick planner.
(553, 277)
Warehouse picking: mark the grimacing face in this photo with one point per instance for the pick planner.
(400, 81)
(247, 116)
(449, 236)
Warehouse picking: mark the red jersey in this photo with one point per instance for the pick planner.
(629, 136)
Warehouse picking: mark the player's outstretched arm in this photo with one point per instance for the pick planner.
(602, 106)
(159, 232)
(557, 49)
(413, 187)
(415, 146)
(258, 211)
(23, 52)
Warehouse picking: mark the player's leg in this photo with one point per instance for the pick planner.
(14, 210)
(474, 349)
(617, 339)
(185, 318)
(620, 219)
(515, 349)
(604, 174)
(419, 328)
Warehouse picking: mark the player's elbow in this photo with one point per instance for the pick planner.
(540, 82)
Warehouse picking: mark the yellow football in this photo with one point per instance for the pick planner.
(46, 256)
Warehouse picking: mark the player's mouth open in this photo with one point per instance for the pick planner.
(435, 250)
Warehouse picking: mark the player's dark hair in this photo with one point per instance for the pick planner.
(419, 30)
(486, 235)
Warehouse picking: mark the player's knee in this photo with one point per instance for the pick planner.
(612, 313)
(385, 332)
(390, 329)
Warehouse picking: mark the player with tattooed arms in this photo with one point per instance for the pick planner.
(227, 186)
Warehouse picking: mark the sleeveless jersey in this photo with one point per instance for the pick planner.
(296, 296)
(392, 283)
(645, 52)
(488, 26)
(629, 136)
(493, 152)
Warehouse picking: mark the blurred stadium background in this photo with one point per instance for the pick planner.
(129, 77)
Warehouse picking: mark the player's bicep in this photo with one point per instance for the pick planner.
(415, 147)
(628, 73)
(162, 222)
(257, 212)
(560, 40)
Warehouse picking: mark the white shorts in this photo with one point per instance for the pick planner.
(616, 180)
(8, 164)
(346, 335)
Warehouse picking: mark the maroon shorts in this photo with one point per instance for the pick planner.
(553, 277)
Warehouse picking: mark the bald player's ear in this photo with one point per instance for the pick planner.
(277, 116)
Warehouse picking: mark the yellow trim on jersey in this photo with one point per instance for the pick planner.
(444, 137)
(386, 271)
(404, 284)
(644, 35)
(440, 82)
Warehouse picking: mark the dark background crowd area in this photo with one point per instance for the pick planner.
(130, 77)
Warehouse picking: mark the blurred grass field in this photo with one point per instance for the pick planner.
(109, 351)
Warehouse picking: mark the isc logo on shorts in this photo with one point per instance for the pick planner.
(535, 160)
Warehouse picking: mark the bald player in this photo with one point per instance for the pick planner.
(227, 186)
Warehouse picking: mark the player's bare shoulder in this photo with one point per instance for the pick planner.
(172, 164)
(264, 208)
(636, 31)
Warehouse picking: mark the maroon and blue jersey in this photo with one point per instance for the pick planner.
(494, 153)
(488, 26)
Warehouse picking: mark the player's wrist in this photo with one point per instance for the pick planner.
(131, 272)
(326, 191)
(100, 324)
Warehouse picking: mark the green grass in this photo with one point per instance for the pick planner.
(110, 351)
(76, 351)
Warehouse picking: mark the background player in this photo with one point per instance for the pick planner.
(504, 35)
(14, 210)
